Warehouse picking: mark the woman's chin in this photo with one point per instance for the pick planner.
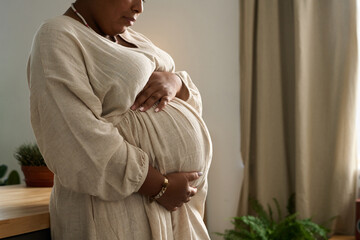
(118, 30)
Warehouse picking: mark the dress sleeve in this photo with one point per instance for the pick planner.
(194, 95)
(86, 153)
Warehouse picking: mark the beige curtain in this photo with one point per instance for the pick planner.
(298, 81)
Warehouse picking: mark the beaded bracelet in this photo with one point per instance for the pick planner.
(162, 190)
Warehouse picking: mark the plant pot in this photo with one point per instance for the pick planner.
(38, 176)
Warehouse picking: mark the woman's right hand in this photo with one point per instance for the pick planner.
(179, 190)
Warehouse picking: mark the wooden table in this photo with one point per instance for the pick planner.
(342, 238)
(23, 210)
(26, 210)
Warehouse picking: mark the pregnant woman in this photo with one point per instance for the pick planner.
(119, 127)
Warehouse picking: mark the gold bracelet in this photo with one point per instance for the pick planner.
(164, 186)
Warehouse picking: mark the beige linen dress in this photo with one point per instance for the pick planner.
(81, 88)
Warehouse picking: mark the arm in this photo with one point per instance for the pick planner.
(86, 152)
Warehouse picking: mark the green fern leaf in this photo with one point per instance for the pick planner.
(315, 229)
(291, 206)
(237, 235)
(263, 226)
(257, 226)
(262, 214)
(278, 209)
(270, 213)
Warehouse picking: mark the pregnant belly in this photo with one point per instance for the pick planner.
(176, 139)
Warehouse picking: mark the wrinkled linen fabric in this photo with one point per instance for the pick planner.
(81, 88)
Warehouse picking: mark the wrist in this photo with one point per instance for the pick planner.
(163, 189)
(153, 183)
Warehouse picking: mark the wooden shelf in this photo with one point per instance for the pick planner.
(23, 209)
(342, 238)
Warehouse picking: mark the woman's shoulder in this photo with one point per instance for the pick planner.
(61, 33)
(60, 25)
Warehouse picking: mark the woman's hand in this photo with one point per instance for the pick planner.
(162, 87)
(179, 190)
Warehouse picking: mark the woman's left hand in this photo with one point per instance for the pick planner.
(162, 87)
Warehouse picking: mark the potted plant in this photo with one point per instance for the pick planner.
(33, 166)
(12, 179)
(264, 227)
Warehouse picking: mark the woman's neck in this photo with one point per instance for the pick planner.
(85, 12)
(70, 13)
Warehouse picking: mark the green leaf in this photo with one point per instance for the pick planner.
(262, 214)
(291, 206)
(286, 229)
(328, 222)
(306, 233)
(29, 155)
(256, 226)
(278, 209)
(270, 213)
(13, 178)
(263, 227)
(317, 230)
(237, 234)
(3, 169)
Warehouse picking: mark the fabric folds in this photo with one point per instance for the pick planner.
(298, 82)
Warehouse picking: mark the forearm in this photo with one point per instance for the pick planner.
(177, 192)
(153, 182)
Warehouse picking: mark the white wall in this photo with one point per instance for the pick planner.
(203, 38)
